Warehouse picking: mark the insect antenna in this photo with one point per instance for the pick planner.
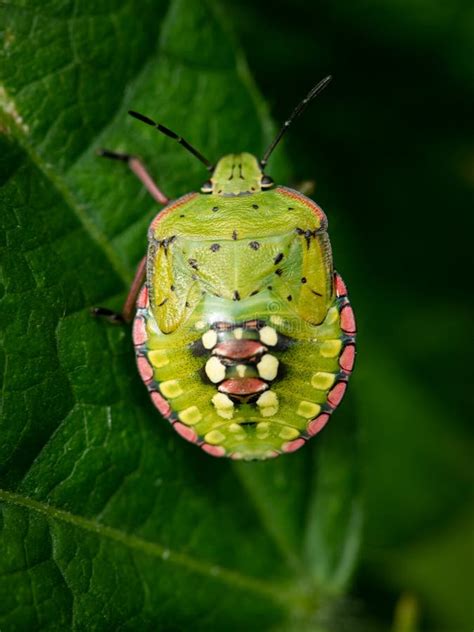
(167, 132)
(319, 87)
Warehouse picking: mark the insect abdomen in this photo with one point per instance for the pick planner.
(248, 387)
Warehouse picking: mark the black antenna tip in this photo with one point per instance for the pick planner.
(294, 115)
(142, 117)
(319, 87)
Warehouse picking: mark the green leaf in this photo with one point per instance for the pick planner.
(109, 520)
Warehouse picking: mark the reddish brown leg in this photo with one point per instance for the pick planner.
(140, 171)
(128, 309)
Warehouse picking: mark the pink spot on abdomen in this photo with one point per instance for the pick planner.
(142, 300)
(145, 370)
(239, 349)
(348, 324)
(187, 433)
(337, 393)
(243, 386)
(214, 450)
(161, 403)
(341, 289)
(317, 424)
(346, 361)
(292, 446)
(139, 331)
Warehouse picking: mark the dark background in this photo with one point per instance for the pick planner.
(389, 146)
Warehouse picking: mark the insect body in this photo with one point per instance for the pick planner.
(244, 334)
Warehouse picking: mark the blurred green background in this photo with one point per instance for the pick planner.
(390, 147)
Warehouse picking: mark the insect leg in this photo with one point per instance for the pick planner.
(128, 309)
(140, 171)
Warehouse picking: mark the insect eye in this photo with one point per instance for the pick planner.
(266, 182)
(206, 187)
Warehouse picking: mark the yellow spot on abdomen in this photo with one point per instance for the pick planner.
(190, 416)
(241, 370)
(287, 432)
(268, 367)
(263, 430)
(158, 358)
(215, 370)
(171, 389)
(268, 403)
(330, 348)
(308, 409)
(322, 381)
(209, 339)
(268, 336)
(224, 405)
(214, 437)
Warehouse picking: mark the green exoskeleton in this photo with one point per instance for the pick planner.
(243, 332)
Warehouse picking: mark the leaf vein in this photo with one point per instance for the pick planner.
(273, 591)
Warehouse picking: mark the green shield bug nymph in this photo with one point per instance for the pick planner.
(243, 332)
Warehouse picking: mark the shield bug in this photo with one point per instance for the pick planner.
(243, 332)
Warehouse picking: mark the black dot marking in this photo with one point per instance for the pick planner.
(278, 258)
(317, 293)
(234, 234)
(162, 302)
(303, 279)
(193, 263)
(252, 188)
(182, 215)
(215, 208)
(269, 287)
(187, 304)
(255, 206)
(172, 288)
(289, 297)
(254, 244)
(166, 242)
(236, 296)
(279, 271)
(220, 191)
(198, 349)
(290, 208)
(215, 247)
(254, 292)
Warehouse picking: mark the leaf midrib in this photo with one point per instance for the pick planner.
(282, 594)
